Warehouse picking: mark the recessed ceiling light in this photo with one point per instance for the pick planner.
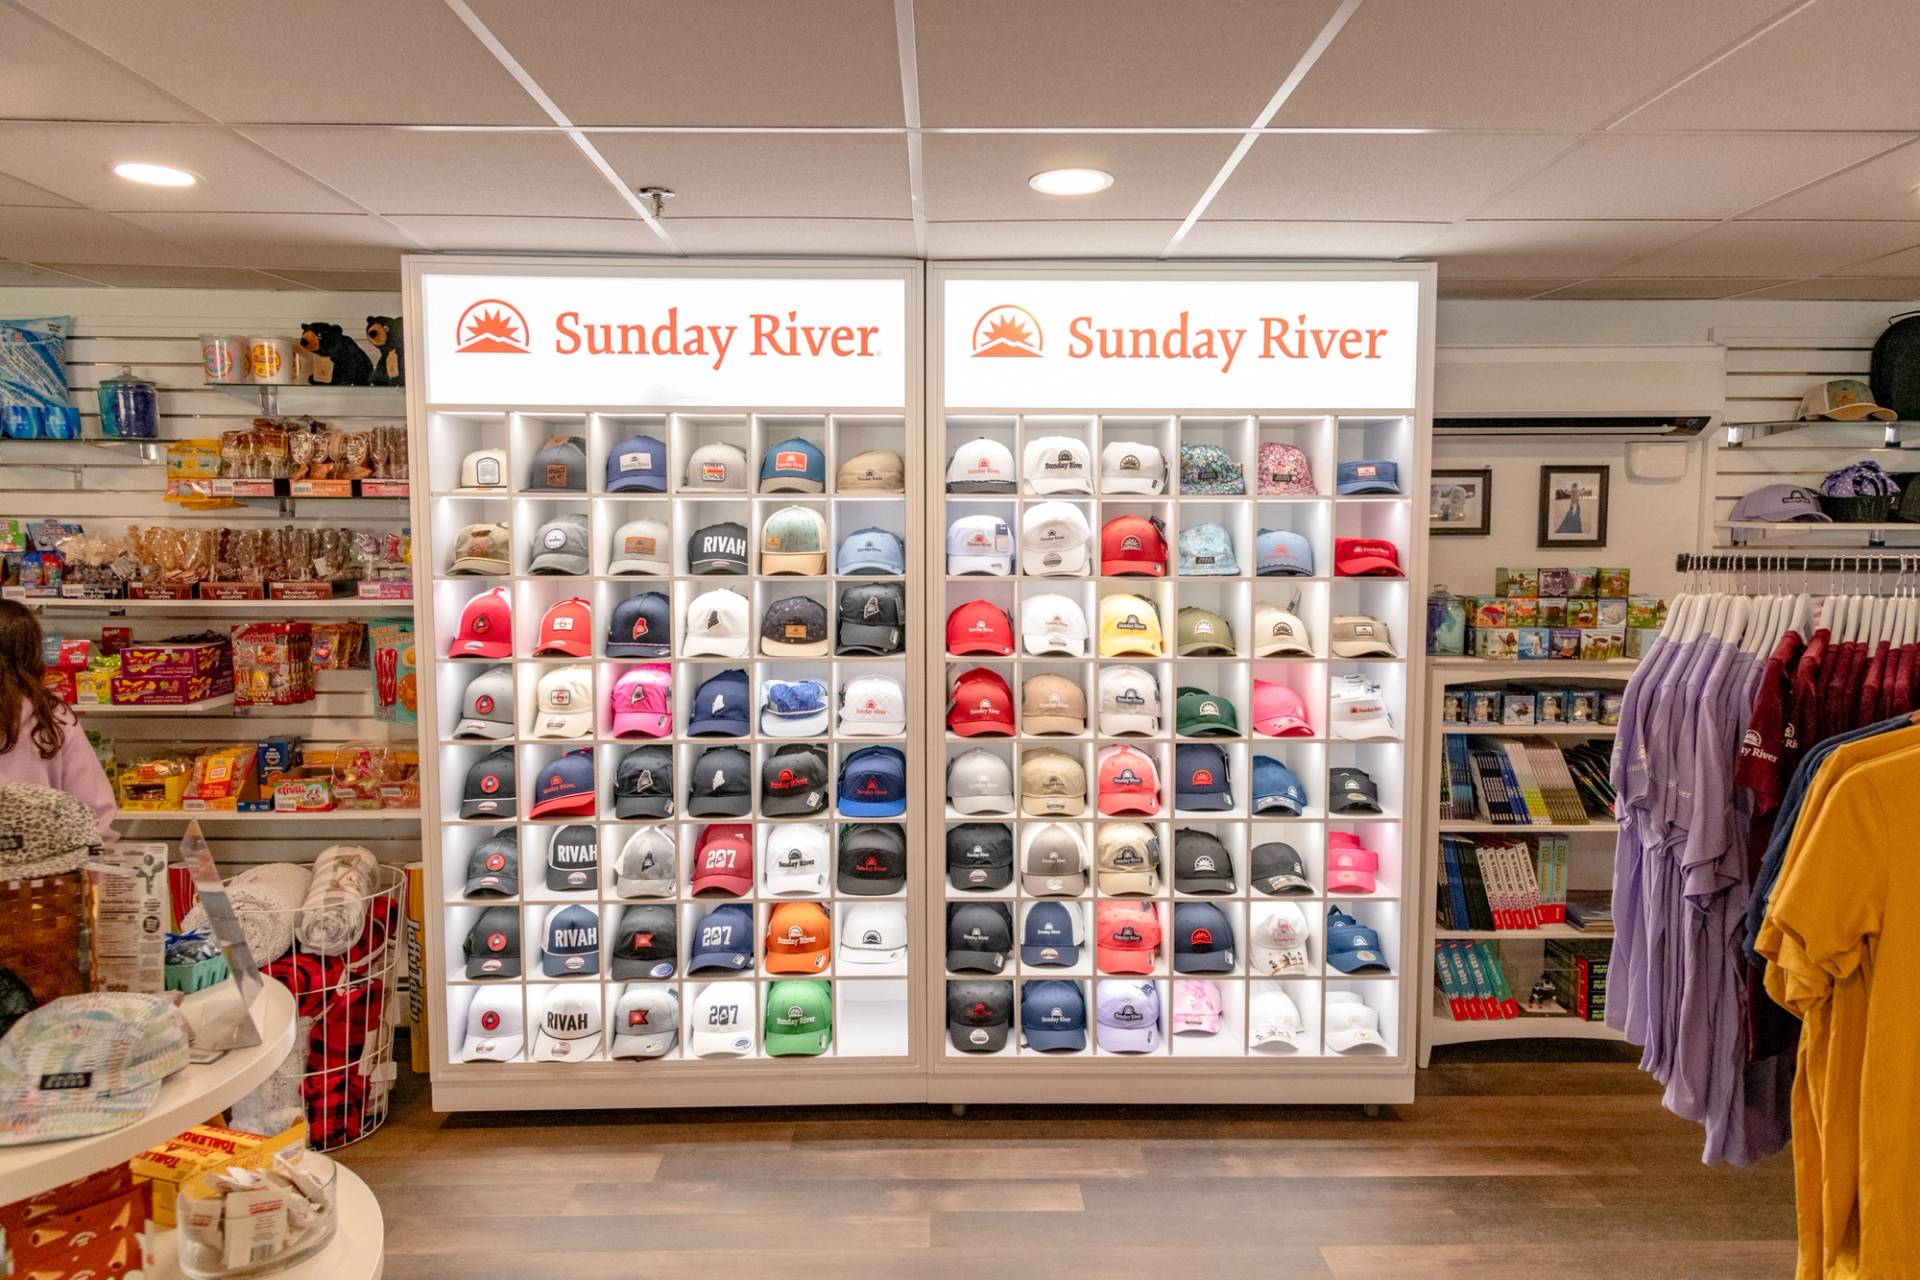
(1070, 182)
(154, 175)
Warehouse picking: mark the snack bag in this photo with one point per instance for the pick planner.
(396, 681)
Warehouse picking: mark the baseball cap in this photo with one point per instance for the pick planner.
(1129, 625)
(1050, 935)
(1365, 557)
(1052, 703)
(641, 627)
(496, 1031)
(1128, 936)
(1051, 624)
(1053, 1014)
(566, 628)
(1371, 475)
(640, 546)
(873, 783)
(573, 859)
(645, 867)
(646, 1021)
(482, 471)
(723, 939)
(980, 703)
(793, 708)
(1351, 1023)
(1781, 502)
(1841, 400)
(979, 544)
(637, 464)
(1133, 545)
(559, 465)
(493, 944)
(720, 786)
(1282, 553)
(563, 702)
(486, 708)
(979, 782)
(794, 465)
(980, 466)
(493, 868)
(1351, 866)
(979, 626)
(872, 550)
(1202, 938)
(1057, 464)
(721, 1025)
(799, 1018)
(1202, 633)
(1279, 711)
(872, 707)
(1127, 857)
(1129, 466)
(1196, 1007)
(1200, 714)
(1129, 701)
(565, 785)
(720, 706)
(489, 791)
(642, 701)
(1055, 541)
(1206, 550)
(1353, 791)
(1202, 782)
(1129, 782)
(873, 859)
(719, 548)
(872, 471)
(1129, 1016)
(1276, 789)
(560, 546)
(1277, 631)
(794, 540)
(572, 943)
(1283, 471)
(1361, 637)
(979, 937)
(979, 1015)
(793, 781)
(486, 627)
(1054, 862)
(796, 860)
(716, 625)
(716, 468)
(1356, 712)
(569, 1026)
(1279, 939)
(1279, 868)
(1208, 469)
(1201, 864)
(980, 855)
(482, 548)
(873, 933)
(85, 1064)
(1052, 784)
(643, 783)
(799, 938)
(1272, 1017)
(872, 618)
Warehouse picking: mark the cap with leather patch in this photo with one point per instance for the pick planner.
(980, 856)
(1130, 466)
(1133, 546)
(794, 465)
(1209, 469)
(1054, 861)
(872, 471)
(1362, 637)
(1203, 633)
(873, 707)
(492, 946)
(1058, 464)
(981, 466)
(641, 627)
(573, 859)
(559, 465)
(637, 464)
(1051, 703)
(1127, 937)
(482, 548)
(716, 468)
(486, 708)
(1052, 784)
(794, 540)
(570, 945)
(1051, 624)
(486, 627)
(1206, 550)
(640, 546)
(560, 546)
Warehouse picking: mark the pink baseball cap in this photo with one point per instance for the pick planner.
(643, 701)
(1128, 782)
(1196, 1006)
(1350, 864)
(1279, 712)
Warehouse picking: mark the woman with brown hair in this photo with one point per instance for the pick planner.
(40, 740)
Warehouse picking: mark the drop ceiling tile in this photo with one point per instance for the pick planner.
(134, 277)
(317, 241)
(1663, 288)
(767, 175)
(1214, 238)
(349, 61)
(24, 275)
(1885, 188)
(1847, 289)
(14, 191)
(1403, 177)
(1905, 262)
(1786, 249)
(66, 235)
(474, 234)
(348, 281)
(41, 66)
(403, 171)
(1466, 288)
(1778, 82)
(971, 176)
(76, 161)
(762, 237)
(1014, 63)
(1529, 248)
(1482, 64)
(826, 62)
(1119, 238)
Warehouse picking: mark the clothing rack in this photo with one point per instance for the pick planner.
(1865, 562)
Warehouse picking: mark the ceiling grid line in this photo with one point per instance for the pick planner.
(1714, 59)
(910, 105)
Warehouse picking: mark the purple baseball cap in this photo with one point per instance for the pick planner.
(1782, 502)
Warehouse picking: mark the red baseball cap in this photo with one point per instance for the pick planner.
(567, 628)
(486, 627)
(1126, 936)
(982, 703)
(1128, 782)
(980, 626)
(1132, 545)
(1362, 557)
(723, 859)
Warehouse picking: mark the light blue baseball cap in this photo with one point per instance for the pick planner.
(1275, 786)
(1371, 475)
(1284, 553)
(1207, 550)
(872, 551)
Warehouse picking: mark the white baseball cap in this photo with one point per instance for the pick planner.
(1278, 631)
(1057, 464)
(483, 471)
(1280, 939)
(496, 1030)
(640, 546)
(794, 861)
(980, 544)
(646, 866)
(569, 1026)
(1056, 541)
(1352, 1024)
(1129, 701)
(1273, 1018)
(874, 933)
(564, 698)
(1129, 466)
(872, 707)
(716, 625)
(979, 781)
(717, 468)
(980, 466)
(646, 1021)
(724, 1015)
(1356, 711)
(1051, 624)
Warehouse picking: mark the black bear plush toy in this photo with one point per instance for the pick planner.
(390, 369)
(339, 360)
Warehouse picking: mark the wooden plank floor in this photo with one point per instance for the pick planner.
(1561, 1164)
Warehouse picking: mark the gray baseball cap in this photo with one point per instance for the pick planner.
(560, 546)
(645, 867)
(486, 710)
(560, 465)
(716, 468)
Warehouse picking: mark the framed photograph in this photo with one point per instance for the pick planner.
(1573, 506)
(1460, 502)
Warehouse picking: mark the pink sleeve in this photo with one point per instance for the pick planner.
(76, 771)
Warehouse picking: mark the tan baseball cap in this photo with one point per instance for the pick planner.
(1277, 631)
(481, 548)
(872, 471)
(1053, 784)
(1127, 859)
(1054, 864)
(1051, 703)
(1362, 637)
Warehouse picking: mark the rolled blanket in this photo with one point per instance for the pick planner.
(335, 909)
(266, 898)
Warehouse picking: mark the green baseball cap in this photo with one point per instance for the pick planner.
(799, 1018)
(794, 540)
(1199, 714)
(1203, 632)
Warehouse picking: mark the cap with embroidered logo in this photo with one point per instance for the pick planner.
(872, 707)
(871, 550)
(563, 703)
(483, 471)
(1128, 936)
(1053, 1014)
(873, 933)
(721, 784)
(980, 856)
(1129, 782)
(981, 703)
(979, 1015)
(1052, 703)
(559, 466)
(1057, 464)
(716, 468)
(486, 708)
(560, 546)
(721, 1023)
(1283, 471)
(1356, 711)
(793, 781)
(979, 937)
(981, 466)
(646, 942)
(795, 864)
(722, 939)
(799, 938)
(980, 544)
(493, 868)
(1052, 784)
(570, 943)
(1050, 936)
(1352, 947)
(1362, 637)
(1055, 541)
(1051, 624)
(1365, 558)
(873, 859)
(1353, 791)
(565, 785)
(718, 549)
(1196, 1007)
(643, 783)
(1127, 1016)
(1351, 866)
(1202, 783)
(1129, 701)
(794, 465)
(1278, 631)
(1201, 714)
(873, 783)
(723, 863)
(979, 781)
(637, 464)
(1202, 939)
(1202, 633)
(646, 1022)
(1279, 939)
(1371, 475)
(1279, 868)
(1279, 711)
(489, 791)
(799, 1017)
(872, 619)
(1128, 466)
(1282, 553)
(716, 625)
(1273, 1020)
(1127, 859)
(720, 706)
(482, 549)
(492, 946)
(1201, 864)
(1129, 625)
(1133, 546)
(1053, 863)
(569, 1026)
(640, 627)
(872, 471)
(1276, 789)
(566, 628)
(1206, 550)
(642, 701)
(640, 546)
(496, 1031)
(646, 867)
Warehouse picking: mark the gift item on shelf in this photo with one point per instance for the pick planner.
(239, 1222)
(90, 1226)
(87, 1064)
(1539, 614)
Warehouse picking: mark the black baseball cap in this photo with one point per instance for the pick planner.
(793, 781)
(641, 626)
(646, 945)
(794, 627)
(1278, 868)
(489, 790)
(722, 785)
(573, 859)
(1201, 864)
(493, 869)
(980, 855)
(718, 548)
(873, 859)
(979, 937)
(643, 783)
(873, 619)
(979, 1014)
(493, 944)
(1353, 791)
(1202, 939)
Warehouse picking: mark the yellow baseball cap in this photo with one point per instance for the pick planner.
(1129, 625)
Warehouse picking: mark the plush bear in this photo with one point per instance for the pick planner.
(339, 360)
(384, 333)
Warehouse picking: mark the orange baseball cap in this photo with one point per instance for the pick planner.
(1129, 783)
(799, 938)
(1133, 545)
(1127, 936)
(567, 628)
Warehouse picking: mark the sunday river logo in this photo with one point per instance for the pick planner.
(1007, 331)
(493, 326)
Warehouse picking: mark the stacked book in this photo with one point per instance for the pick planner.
(1522, 782)
(1473, 981)
(1578, 971)
(1501, 883)
(1591, 910)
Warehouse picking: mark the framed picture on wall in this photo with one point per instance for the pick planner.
(1460, 503)
(1573, 506)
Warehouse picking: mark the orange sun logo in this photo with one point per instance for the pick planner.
(1007, 331)
(492, 325)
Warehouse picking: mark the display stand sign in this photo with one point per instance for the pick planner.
(231, 1027)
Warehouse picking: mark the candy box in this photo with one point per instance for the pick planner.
(277, 755)
(210, 657)
(303, 791)
(164, 691)
(273, 664)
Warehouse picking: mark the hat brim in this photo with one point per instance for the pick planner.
(797, 886)
(867, 638)
(1083, 485)
(806, 962)
(1347, 1039)
(643, 807)
(1283, 727)
(1201, 1024)
(636, 483)
(572, 724)
(1043, 806)
(509, 968)
(1276, 885)
(1202, 962)
(1283, 571)
(792, 1044)
(716, 647)
(961, 1033)
(1129, 1039)
(1056, 724)
(872, 808)
(624, 887)
(872, 729)
(731, 961)
(1274, 1037)
(873, 955)
(561, 562)
(1354, 487)
(489, 729)
(1357, 804)
(811, 725)
(991, 566)
(1114, 806)
(1123, 960)
(874, 887)
(719, 807)
(489, 807)
(653, 1046)
(1345, 881)
(718, 567)
(967, 650)
(712, 1046)
(1367, 566)
(1277, 804)
(579, 648)
(1130, 649)
(1859, 413)
(1202, 801)
(872, 568)
(649, 724)
(793, 648)
(1049, 646)
(1123, 567)
(996, 878)
(1053, 886)
(34, 1118)
(720, 728)
(642, 568)
(983, 728)
(1206, 649)
(480, 648)
(1347, 964)
(1114, 724)
(792, 484)
(548, 1048)
(1204, 884)
(557, 966)
(1275, 648)
(997, 805)
(492, 566)
(582, 803)
(1119, 884)
(492, 886)
(1363, 730)
(811, 564)
(493, 1048)
(976, 961)
(1120, 484)
(1050, 956)
(634, 968)
(1074, 563)
(1052, 1041)
(1264, 965)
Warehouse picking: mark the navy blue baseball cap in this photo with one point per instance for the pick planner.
(1048, 937)
(1371, 475)
(793, 466)
(723, 705)
(1202, 939)
(873, 783)
(637, 464)
(723, 940)
(872, 551)
(641, 626)
(1200, 777)
(1351, 946)
(1276, 787)
(565, 785)
(1053, 1015)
